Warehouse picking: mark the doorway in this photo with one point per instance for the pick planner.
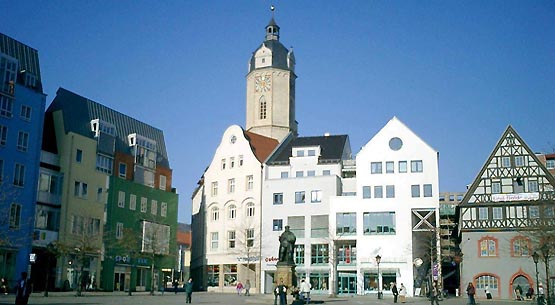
(119, 281)
(347, 283)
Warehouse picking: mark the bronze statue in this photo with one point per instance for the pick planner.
(286, 246)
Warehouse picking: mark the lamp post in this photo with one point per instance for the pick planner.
(536, 258)
(545, 254)
(378, 260)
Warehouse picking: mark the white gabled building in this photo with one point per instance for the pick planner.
(227, 211)
(394, 210)
(299, 179)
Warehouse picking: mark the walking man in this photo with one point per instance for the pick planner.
(305, 290)
(23, 290)
(189, 290)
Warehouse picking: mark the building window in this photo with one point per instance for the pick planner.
(263, 108)
(427, 190)
(119, 230)
(231, 162)
(214, 240)
(519, 161)
(316, 196)
(19, 175)
(488, 247)
(250, 238)
(378, 223)
(6, 106)
(299, 254)
(241, 160)
(164, 209)
(347, 254)
(133, 202)
(390, 191)
(376, 167)
(319, 254)
(104, 164)
(506, 161)
(299, 174)
(402, 166)
(144, 203)
(213, 276)
(162, 183)
(80, 190)
(214, 189)
(311, 152)
(534, 211)
(378, 191)
(78, 156)
(319, 226)
(215, 212)
(231, 212)
(548, 212)
(497, 213)
(416, 166)
(415, 190)
(389, 167)
(496, 187)
(520, 246)
(25, 112)
(15, 215)
(1, 171)
(230, 275)
(154, 207)
(277, 224)
(278, 198)
(366, 192)
(231, 239)
(284, 175)
(250, 209)
(99, 196)
(3, 135)
(231, 185)
(121, 199)
(250, 182)
(485, 281)
(483, 213)
(299, 197)
(346, 223)
(326, 172)
(122, 170)
(532, 186)
(223, 164)
(311, 173)
(22, 141)
(300, 153)
(550, 164)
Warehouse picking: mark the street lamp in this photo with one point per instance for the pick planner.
(378, 260)
(546, 254)
(536, 258)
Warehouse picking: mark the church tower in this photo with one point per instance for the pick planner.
(271, 88)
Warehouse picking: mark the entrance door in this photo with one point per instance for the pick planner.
(347, 283)
(119, 281)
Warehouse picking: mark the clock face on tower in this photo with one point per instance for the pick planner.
(262, 83)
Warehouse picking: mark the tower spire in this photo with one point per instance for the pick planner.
(272, 29)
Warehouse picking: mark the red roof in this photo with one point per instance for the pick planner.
(261, 146)
(183, 238)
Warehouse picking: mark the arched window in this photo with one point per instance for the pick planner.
(520, 246)
(263, 108)
(487, 247)
(231, 212)
(215, 213)
(250, 209)
(489, 280)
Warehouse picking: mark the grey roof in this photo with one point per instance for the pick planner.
(27, 57)
(333, 148)
(279, 54)
(78, 112)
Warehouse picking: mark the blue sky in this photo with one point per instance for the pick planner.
(456, 72)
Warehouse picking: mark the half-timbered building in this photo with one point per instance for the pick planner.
(502, 217)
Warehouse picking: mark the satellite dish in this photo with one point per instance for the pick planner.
(417, 262)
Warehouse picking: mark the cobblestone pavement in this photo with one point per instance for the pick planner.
(93, 298)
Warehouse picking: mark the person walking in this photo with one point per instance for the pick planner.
(471, 291)
(189, 290)
(305, 290)
(282, 293)
(239, 288)
(22, 290)
(175, 284)
(403, 293)
(434, 293)
(395, 292)
(247, 288)
(276, 294)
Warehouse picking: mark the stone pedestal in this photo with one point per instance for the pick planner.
(285, 272)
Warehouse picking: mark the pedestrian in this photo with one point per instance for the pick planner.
(239, 288)
(305, 290)
(488, 293)
(434, 293)
(175, 283)
(395, 292)
(247, 288)
(276, 294)
(189, 290)
(22, 290)
(471, 291)
(518, 293)
(4, 286)
(402, 293)
(282, 293)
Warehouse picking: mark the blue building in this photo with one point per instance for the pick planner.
(22, 103)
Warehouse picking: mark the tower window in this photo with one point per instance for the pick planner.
(263, 108)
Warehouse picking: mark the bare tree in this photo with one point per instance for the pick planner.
(155, 244)
(128, 242)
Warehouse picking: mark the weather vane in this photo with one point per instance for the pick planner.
(272, 8)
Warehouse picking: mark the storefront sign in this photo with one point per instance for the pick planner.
(248, 259)
(515, 197)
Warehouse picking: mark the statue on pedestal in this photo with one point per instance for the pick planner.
(286, 246)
